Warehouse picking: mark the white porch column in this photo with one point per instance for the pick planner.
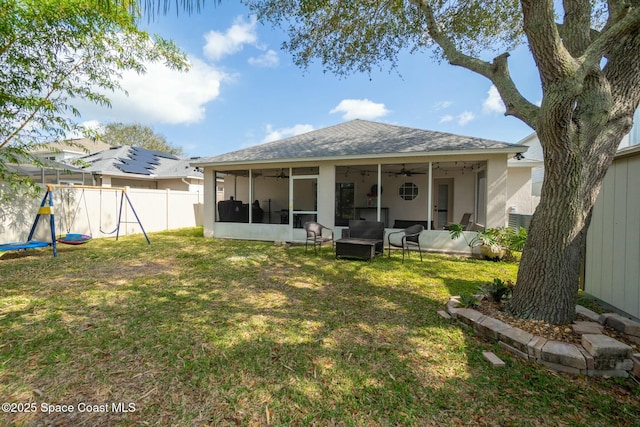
(250, 195)
(209, 200)
(327, 195)
(430, 196)
(379, 195)
(497, 191)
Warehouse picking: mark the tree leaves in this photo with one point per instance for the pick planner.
(138, 135)
(56, 52)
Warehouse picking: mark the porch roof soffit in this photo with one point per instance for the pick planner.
(361, 139)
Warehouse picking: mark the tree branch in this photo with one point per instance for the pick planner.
(553, 60)
(577, 22)
(496, 71)
(54, 87)
(8, 43)
(611, 34)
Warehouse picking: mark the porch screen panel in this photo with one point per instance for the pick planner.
(271, 196)
(236, 189)
(305, 200)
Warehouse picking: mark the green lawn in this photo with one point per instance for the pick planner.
(195, 331)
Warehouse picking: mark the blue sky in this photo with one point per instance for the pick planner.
(244, 90)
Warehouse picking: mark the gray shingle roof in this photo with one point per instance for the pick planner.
(357, 138)
(139, 162)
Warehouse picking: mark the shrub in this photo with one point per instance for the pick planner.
(468, 301)
(497, 290)
(497, 239)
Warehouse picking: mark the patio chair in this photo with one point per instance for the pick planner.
(315, 235)
(410, 237)
(465, 222)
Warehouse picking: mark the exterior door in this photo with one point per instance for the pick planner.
(443, 202)
(304, 200)
(345, 197)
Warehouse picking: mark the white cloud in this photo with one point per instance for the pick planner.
(445, 119)
(161, 95)
(268, 59)
(94, 125)
(88, 125)
(360, 109)
(442, 105)
(240, 33)
(493, 103)
(465, 118)
(276, 134)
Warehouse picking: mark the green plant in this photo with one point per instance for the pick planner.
(497, 290)
(505, 239)
(468, 300)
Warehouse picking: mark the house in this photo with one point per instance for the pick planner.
(126, 166)
(58, 162)
(122, 166)
(365, 170)
(612, 270)
(535, 153)
(68, 150)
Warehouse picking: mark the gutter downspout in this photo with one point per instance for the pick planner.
(188, 184)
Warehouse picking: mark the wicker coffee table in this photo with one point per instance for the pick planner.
(352, 247)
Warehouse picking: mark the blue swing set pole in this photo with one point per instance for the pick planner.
(46, 210)
(124, 195)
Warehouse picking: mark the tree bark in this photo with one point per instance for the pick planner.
(585, 113)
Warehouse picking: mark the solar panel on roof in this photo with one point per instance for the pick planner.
(146, 159)
(142, 161)
(137, 168)
(144, 151)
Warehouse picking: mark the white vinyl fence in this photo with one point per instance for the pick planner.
(95, 211)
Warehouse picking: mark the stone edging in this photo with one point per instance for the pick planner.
(599, 355)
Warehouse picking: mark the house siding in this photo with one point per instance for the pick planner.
(519, 191)
(612, 268)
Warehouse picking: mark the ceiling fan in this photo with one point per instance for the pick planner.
(408, 172)
(280, 175)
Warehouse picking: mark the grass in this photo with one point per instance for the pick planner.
(195, 331)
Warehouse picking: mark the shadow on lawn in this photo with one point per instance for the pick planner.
(226, 333)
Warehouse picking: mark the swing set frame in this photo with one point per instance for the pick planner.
(47, 208)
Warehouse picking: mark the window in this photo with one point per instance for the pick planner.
(408, 191)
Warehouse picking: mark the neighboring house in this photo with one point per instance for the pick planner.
(137, 167)
(58, 162)
(69, 150)
(333, 174)
(535, 153)
(53, 173)
(122, 166)
(612, 270)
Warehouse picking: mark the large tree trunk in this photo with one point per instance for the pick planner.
(586, 110)
(547, 283)
(579, 145)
